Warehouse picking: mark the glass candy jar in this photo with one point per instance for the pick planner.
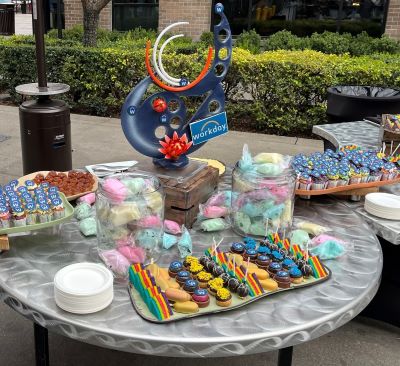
(130, 215)
(262, 204)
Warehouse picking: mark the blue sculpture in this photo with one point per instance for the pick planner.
(141, 119)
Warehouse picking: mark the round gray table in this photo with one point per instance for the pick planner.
(274, 323)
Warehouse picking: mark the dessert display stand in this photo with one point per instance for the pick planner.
(275, 323)
(367, 134)
(184, 189)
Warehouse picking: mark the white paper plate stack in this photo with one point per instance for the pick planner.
(83, 288)
(384, 205)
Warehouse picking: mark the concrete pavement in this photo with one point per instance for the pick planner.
(23, 24)
(100, 140)
(361, 342)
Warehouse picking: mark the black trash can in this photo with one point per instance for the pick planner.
(7, 19)
(354, 103)
(45, 135)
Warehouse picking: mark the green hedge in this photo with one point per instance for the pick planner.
(282, 92)
(306, 27)
(332, 43)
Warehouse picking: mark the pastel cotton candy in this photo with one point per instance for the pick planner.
(133, 254)
(147, 238)
(246, 162)
(88, 226)
(121, 215)
(217, 199)
(115, 190)
(89, 198)
(274, 158)
(287, 212)
(312, 228)
(299, 237)
(172, 227)
(82, 211)
(185, 245)
(169, 240)
(274, 212)
(280, 194)
(124, 241)
(257, 228)
(134, 185)
(269, 169)
(328, 250)
(214, 225)
(150, 221)
(320, 239)
(213, 212)
(115, 261)
(154, 201)
(242, 221)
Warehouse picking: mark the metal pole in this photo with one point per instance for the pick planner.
(41, 345)
(385, 14)
(38, 26)
(285, 356)
(59, 23)
(339, 18)
(249, 15)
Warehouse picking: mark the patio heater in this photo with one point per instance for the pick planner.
(45, 123)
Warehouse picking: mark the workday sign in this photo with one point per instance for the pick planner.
(209, 128)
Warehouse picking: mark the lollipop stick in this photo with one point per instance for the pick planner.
(266, 229)
(391, 147)
(307, 250)
(218, 244)
(247, 269)
(395, 150)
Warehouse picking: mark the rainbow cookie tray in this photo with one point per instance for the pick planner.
(222, 280)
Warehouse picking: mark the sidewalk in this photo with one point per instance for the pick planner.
(23, 24)
(100, 140)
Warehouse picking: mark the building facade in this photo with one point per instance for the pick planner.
(302, 17)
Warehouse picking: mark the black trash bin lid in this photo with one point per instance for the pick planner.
(365, 91)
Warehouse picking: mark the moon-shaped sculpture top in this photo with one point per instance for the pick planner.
(140, 119)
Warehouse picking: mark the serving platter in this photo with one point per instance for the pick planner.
(31, 176)
(142, 309)
(69, 212)
(349, 189)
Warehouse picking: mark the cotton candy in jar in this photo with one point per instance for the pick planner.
(263, 194)
(130, 214)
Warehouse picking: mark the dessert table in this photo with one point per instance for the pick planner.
(278, 322)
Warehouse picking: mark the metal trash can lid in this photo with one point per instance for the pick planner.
(34, 89)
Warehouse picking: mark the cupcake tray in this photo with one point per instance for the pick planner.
(45, 172)
(68, 209)
(351, 189)
(142, 309)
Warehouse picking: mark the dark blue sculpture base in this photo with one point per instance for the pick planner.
(180, 163)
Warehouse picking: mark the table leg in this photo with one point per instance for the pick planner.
(285, 356)
(41, 345)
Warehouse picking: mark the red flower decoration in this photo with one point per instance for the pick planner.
(175, 147)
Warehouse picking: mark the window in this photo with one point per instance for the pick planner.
(130, 14)
(303, 17)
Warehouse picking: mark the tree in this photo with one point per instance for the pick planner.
(91, 12)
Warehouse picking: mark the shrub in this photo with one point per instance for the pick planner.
(306, 27)
(250, 41)
(207, 38)
(282, 92)
(333, 43)
(285, 40)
